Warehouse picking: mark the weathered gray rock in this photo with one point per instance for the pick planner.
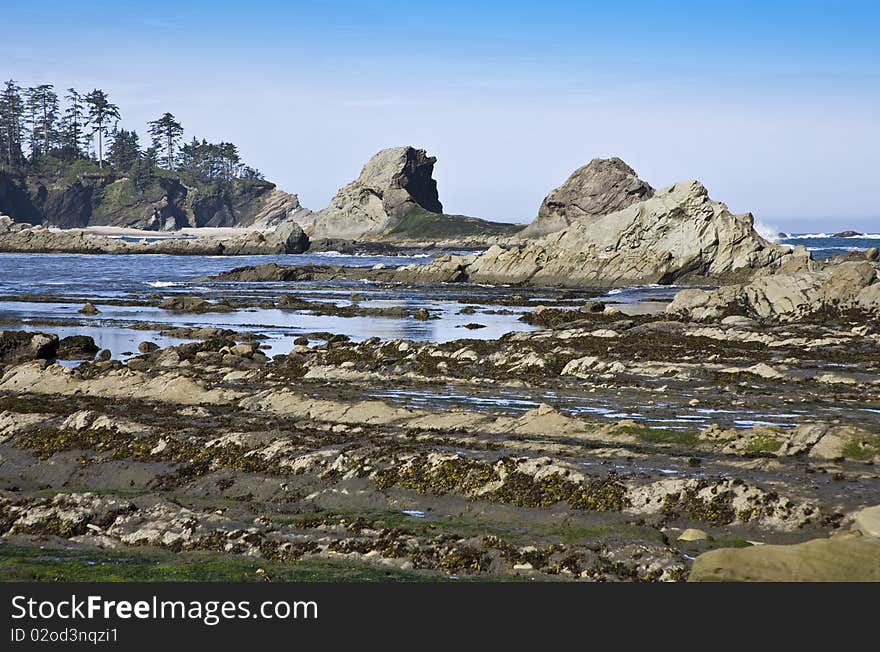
(855, 559)
(600, 187)
(678, 235)
(392, 184)
(787, 297)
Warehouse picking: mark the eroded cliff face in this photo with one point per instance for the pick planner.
(600, 187)
(162, 204)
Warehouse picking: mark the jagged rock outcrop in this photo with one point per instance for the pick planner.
(392, 184)
(677, 236)
(287, 238)
(850, 288)
(600, 187)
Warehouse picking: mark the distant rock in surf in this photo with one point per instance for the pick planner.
(847, 234)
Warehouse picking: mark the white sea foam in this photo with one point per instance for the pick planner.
(826, 236)
(162, 284)
(767, 231)
(339, 254)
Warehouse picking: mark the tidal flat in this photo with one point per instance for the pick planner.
(358, 428)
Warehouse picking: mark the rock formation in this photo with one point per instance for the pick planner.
(600, 187)
(22, 346)
(286, 238)
(392, 184)
(163, 205)
(678, 235)
(833, 291)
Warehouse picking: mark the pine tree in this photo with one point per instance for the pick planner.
(72, 124)
(166, 133)
(101, 112)
(48, 101)
(11, 124)
(32, 120)
(42, 115)
(124, 149)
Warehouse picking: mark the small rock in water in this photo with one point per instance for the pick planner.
(474, 326)
(89, 309)
(147, 347)
(421, 314)
(592, 307)
(105, 355)
(301, 341)
(77, 347)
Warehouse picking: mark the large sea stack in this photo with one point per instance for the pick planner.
(394, 183)
(600, 187)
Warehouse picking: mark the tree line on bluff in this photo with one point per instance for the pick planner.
(40, 131)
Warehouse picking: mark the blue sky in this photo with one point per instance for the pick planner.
(773, 105)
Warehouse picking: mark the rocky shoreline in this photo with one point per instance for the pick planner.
(221, 450)
(732, 435)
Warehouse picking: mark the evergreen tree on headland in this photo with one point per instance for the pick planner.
(48, 100)
(141, 172)
(214, 162)
(32, 110)
(166, 133)
(42, 116)
(124, 150)
(101, 113)
(11, 124)
(73, 125)
(83, 129)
